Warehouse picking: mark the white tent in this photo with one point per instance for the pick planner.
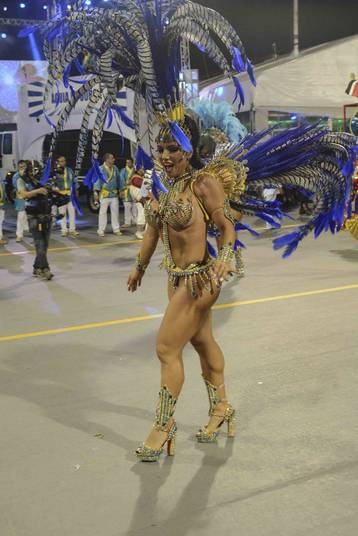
(313, 83)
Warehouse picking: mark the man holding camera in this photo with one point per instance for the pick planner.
(38, 203)
(65, 179)
(108, 193)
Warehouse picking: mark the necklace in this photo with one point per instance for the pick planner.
(175, 187)
(177, 184)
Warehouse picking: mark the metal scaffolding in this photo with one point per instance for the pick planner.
(21, 22)
(185, 54)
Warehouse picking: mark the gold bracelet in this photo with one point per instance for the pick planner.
(141, 266)
(226, 254)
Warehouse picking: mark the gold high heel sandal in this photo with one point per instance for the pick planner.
(164, 412)
(210, 436)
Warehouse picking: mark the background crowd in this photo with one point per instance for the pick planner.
(121, 189)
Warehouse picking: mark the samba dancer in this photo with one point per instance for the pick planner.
(136, 45)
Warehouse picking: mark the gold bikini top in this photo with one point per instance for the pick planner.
(172, 210)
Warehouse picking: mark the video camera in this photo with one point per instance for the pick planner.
(41, 204)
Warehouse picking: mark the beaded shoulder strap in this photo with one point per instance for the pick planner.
(202, 208)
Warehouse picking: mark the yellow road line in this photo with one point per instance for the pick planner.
(133, 319)
(284, 297)
(64, 248)
(106, 244)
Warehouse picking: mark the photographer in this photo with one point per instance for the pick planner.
(64, 179)
(38, 203)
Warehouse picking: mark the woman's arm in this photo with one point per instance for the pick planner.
(211, 193)
(149, 245)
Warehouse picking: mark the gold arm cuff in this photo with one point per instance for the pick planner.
(140, 265)
(226, 254)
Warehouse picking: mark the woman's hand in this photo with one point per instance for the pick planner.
(222, 271)
(134, 280)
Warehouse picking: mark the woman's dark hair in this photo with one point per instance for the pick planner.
(191, 126)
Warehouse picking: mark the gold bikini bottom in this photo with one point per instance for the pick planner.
(197, 276)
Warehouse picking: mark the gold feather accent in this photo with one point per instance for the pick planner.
(230, 173)
(352, 226)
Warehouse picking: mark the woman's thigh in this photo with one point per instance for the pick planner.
(183, 317)
(204, 334)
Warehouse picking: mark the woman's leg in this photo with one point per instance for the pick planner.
(181, 321)
(212, 365)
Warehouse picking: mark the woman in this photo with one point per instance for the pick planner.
(181, 219)
(140, 44)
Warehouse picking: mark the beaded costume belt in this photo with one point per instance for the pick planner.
(197, 277)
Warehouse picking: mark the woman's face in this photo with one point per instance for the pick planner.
(174, 160)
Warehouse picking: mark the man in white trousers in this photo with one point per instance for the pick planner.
(64, 180)
(22, 224)
(130, 206)
(108, 194)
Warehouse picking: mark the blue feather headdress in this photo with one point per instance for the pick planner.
(135, 44)
(219, 116)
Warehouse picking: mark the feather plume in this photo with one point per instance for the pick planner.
(239, 91)
(123, 116)
(238, 244)
(237, 60)
(180, 137)
(157, 183)
(74, 200)
(46, 172)
(212, 251)
(239, 226)
(142, 159)
(110, 118)
(250, 72)
(268, 219)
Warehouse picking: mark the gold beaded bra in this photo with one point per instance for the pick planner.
(172, 209)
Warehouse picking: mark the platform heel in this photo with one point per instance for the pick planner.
(171, 444)
(164, 412)
(229, 416)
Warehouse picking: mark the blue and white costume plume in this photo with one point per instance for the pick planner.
(136, 44)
